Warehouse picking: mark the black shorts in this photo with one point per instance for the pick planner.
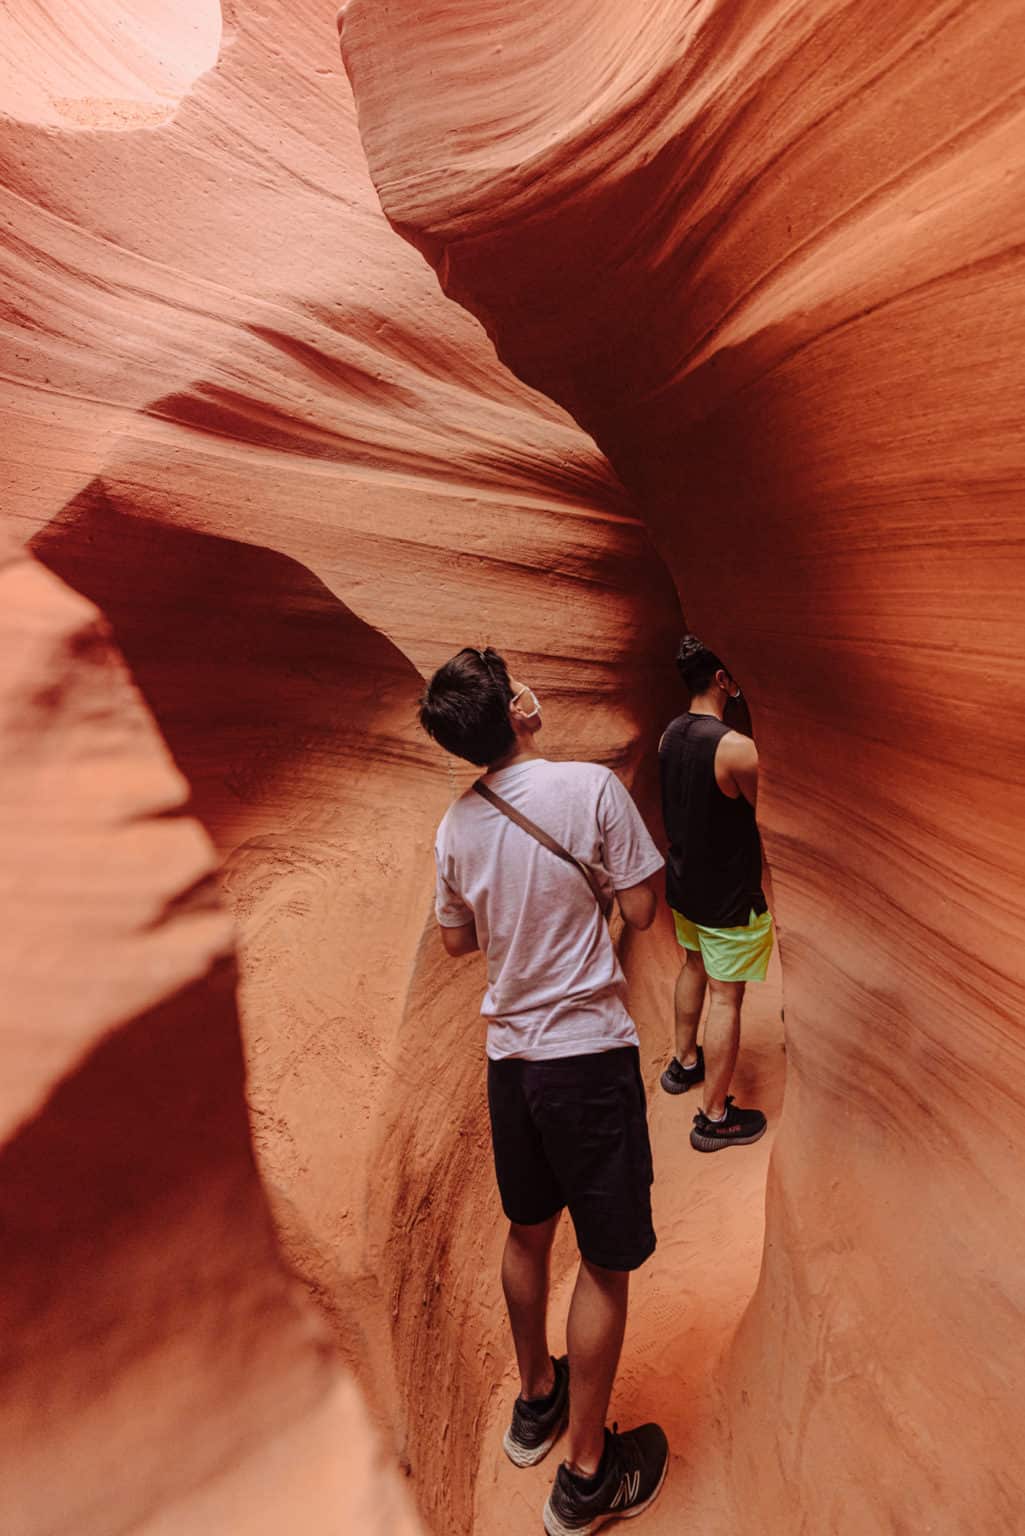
(573, 1131)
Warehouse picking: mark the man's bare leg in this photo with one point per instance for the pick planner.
(525, 1283)
(594, 1337)
(722, 1042)
(688, 1000)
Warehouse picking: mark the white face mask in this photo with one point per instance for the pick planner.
(528, 714)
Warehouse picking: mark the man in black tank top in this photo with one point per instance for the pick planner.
(709, 775)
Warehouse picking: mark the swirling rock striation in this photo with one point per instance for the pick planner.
(771, 257)
(240, 418)
(152, 1338)
(91, 64)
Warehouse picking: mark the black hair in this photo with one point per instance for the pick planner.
(466, 706)
(697, 665)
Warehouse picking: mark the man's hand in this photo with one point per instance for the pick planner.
(460, 941)
(736, 767)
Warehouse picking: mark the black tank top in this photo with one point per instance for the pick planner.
(714, 866)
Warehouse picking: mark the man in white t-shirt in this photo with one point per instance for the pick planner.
(566, 1100)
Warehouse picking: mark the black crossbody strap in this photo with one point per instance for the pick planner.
(545, 839)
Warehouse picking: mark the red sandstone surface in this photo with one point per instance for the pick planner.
(162, 1373)
(766, 256)
(770, 256)
(241, 419)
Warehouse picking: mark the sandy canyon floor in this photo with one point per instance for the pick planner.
(686, 1301)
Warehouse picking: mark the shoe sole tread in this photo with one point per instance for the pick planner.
(717, 1143)
(676, 1088)
(529, 1456)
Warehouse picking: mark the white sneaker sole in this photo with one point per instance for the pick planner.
(521, 1456)
(555, 1527)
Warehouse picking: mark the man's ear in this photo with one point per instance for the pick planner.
(521, 723)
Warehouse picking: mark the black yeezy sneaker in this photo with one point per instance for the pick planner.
(633, 1469)
(737, 1128)
(535, 1427)
(677, 1078)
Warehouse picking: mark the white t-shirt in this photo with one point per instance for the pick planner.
(555, 987)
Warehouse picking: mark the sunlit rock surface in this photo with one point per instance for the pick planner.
(161, 1372)
(240, 417)
(770, 256)
(102, 63)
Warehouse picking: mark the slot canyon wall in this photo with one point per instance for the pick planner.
(770, 256)
(244, 430)
(162, 1373)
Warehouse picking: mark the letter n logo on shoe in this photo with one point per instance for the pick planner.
(627, 1490)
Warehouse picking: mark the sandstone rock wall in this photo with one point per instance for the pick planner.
(161, 1372)
(240, 418)
(770, 256)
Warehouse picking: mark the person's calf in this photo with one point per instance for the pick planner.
(525, 1262)
(688, 1001)
(722, 1043)
(686, 1068)
(594, 1334)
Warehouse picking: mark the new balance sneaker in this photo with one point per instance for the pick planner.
(629, 1480)
(737, 1128)
(536, 1426)
(677, 1078)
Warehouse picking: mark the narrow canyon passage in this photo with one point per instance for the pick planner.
(770, 256)
(293, 487)
(753, 274)
(686, 1302)
(438, 1229)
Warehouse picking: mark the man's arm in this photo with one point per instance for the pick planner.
(630, 855)
(460, 941)
(638, 903)
(736, 767)
(455, 916)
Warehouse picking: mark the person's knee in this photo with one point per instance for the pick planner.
(614, 1282)
(535, 1238)
(730, 993)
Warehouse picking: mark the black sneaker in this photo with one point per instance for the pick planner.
(534, 1430)
(737, 1128)
(633, 1469)
(677, 1078)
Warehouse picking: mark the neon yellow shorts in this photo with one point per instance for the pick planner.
(729, 954)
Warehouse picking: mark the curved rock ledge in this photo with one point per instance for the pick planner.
(162, 1373)
(770, 256)
(241, 418)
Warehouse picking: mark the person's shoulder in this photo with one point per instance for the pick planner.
(580, 774)
(674, 727)
(579, 782)
(444, 827)
(735, 747)
(558, 767)
(458, 812)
